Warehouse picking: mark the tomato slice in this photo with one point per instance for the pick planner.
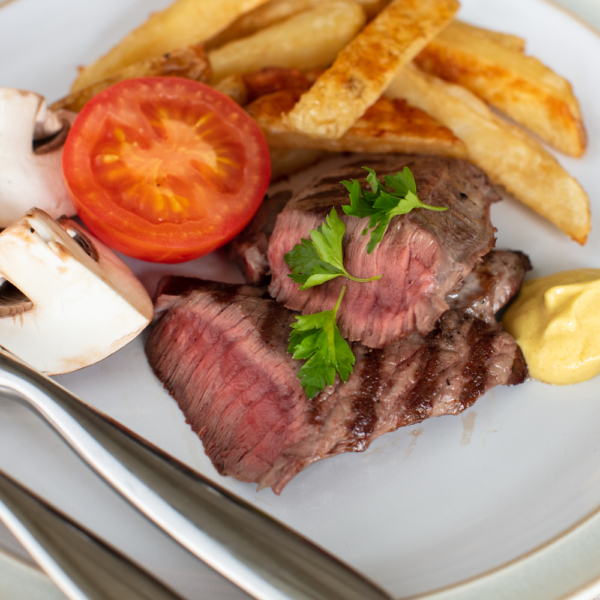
(165, 169)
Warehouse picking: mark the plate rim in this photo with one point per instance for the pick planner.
(582, 525)
(578, 526)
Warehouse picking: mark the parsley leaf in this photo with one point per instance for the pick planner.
(321, 258)
(317, 339)
(380, 205)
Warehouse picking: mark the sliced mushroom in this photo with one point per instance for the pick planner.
(31, 143)
(75, 302)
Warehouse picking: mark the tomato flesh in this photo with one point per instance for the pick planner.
(165, 169)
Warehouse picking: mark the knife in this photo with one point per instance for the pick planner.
(259, 554)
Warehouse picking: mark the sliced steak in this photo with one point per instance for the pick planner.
(491, 284)
(224, 360)
(423, 255)
(249, 248)
(419, 377)
(173, 287)
(486, 290)
(223, 357)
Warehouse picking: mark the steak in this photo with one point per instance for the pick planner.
(223, 356)
(491, 284)
(487, 289)
(249, 248)
(442, 373)
(173, 287)
(423, 256)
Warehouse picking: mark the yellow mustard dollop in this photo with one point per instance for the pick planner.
(556, 322)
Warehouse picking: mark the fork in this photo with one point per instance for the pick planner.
(257, 553)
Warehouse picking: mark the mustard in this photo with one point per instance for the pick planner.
(556, 322)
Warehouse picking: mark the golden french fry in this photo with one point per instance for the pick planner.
(287, 161)
(387, 126)
(508, 40)
(275, 79)
(520, 86)
(366, 66)
(276, 11)
(234, 87)
(183, 23)
(507, 154)
(190, 63)
(310, 39)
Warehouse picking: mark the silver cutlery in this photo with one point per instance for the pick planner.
(254, 551)
(81, 565)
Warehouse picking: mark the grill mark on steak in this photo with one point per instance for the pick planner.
(423, 256)
(224, 298)
(418, 402)
(475, 376)
(363, 404)
(276, 315)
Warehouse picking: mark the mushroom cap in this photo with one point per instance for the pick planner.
(31, 143)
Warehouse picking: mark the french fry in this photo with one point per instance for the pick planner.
(507, 154)
(520, 86)
(190, 63)
(366, 66)
(310, 39)
(275, 79)
(183, 23)
(387, 126)
(276, 11)
(508, 40)
(287, 161)
(234, 87)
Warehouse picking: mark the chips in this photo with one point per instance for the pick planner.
(508, 155)
(190, 63)
(512, 42)
(276, 11)
(184, 23)
(518, 85)
(366, 66)
(234, 87)
(310, 39)
(387, 126)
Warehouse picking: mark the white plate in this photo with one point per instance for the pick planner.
(422, 508)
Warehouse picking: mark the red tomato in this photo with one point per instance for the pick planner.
(165, 169)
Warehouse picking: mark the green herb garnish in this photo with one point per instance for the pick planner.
(380, 205)
(321, 258)
(318, 339)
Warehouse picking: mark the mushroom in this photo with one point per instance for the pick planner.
(67, 301)
(31, 143)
